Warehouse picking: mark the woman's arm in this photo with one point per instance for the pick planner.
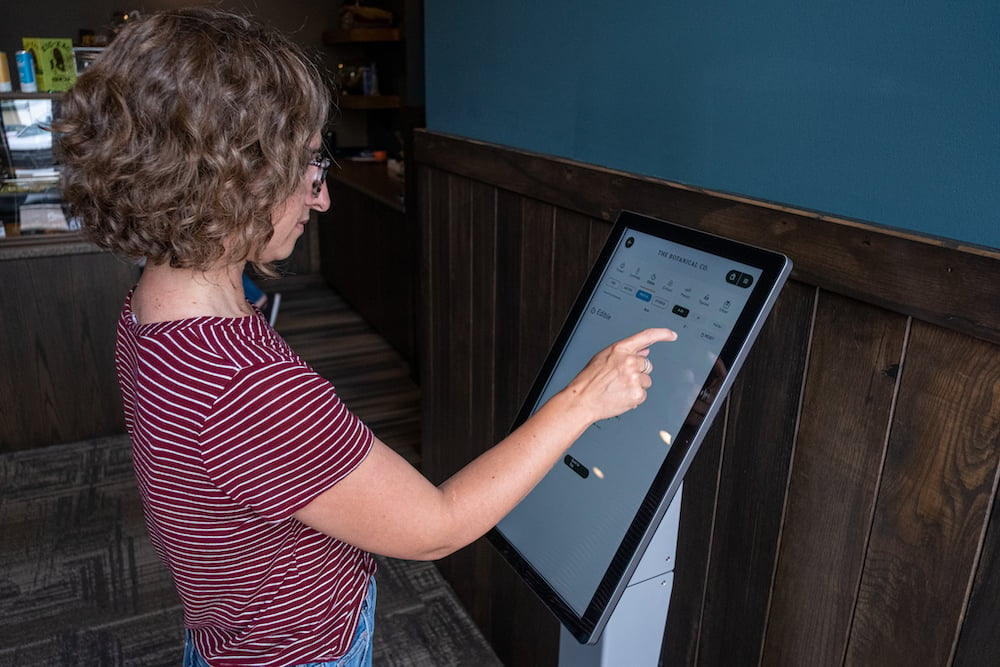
(385, 506)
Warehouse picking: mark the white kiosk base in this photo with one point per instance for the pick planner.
(634, 634)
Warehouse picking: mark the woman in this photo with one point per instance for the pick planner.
(194, 142)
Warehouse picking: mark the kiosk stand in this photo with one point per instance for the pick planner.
(634, 634)
(596, 538)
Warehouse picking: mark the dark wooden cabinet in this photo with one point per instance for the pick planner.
(368, 254)
(59, 304)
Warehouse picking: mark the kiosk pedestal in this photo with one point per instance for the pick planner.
(596, 539)
(634, 634)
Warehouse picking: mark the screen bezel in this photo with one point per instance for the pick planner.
(775, 269)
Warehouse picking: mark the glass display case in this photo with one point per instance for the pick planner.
(29, 178)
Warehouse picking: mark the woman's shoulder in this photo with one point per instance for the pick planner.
(244, 342)
(236, 343)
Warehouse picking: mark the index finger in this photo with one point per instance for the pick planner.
(647, 337)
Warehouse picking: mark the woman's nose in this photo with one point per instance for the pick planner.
(320, 201)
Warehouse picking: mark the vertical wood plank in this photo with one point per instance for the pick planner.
(508, 311)
(694, 543)
(455, 322)
(764, 406)
(398, 268)
(931, 512)
(483, 311)
(426, 303)
(600, 230)
(837, 463)
(522, 631)
(977, 644)
(571, 264)
(537, 269)
(483, 370)
(458, 319)
(434, 373)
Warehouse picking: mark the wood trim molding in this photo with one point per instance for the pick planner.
(953, 285)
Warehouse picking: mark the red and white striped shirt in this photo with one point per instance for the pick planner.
(231, 434)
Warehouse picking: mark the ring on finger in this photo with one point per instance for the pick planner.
(646, 366)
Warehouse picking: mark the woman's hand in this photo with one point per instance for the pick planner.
(386, 507)
(617, 378)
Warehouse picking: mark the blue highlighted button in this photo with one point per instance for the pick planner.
(643, 294)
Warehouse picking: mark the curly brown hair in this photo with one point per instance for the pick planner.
(187, 132)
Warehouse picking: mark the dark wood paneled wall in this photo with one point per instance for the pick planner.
(841, 510)
(57, 373)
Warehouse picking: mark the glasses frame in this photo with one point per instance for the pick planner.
(323, 163)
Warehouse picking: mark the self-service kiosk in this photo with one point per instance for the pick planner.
(596, 538)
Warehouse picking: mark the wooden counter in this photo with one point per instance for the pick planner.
(371, 179)
(60, 297)
(368, 253)
(45, 245)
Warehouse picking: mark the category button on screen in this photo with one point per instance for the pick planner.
(576, 466)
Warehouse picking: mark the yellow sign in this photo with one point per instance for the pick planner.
(55, 66)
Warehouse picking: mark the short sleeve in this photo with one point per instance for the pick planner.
(279, 436)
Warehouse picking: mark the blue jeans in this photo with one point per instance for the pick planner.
(358, 655)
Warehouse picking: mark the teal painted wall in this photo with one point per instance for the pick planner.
(886, 111)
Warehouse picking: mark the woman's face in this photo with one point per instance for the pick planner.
(290, 216)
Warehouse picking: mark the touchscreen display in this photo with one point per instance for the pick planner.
(573, 526)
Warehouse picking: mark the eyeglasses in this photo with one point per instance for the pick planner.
(324, 165)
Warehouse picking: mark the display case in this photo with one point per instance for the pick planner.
(60, 295)
(30, 203)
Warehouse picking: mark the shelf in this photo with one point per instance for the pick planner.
(54, 244)
(18, 95)
(362, 35)
(380, 122)
(368, 101)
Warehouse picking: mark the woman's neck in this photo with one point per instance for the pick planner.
(164, 294)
